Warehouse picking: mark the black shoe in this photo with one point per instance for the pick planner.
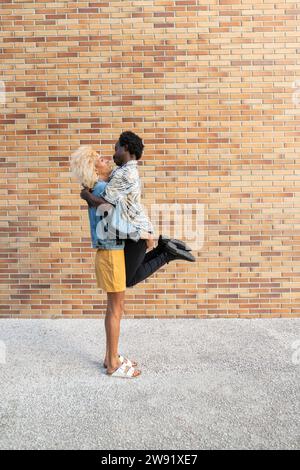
(173, 253)
(180, 244)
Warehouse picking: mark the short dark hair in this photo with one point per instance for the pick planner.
(134, 143)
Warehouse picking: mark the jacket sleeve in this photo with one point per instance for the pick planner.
(118, 187)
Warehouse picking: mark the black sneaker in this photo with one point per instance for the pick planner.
(173, 253)
(180, 244)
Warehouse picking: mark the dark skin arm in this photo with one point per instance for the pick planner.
(92, 200)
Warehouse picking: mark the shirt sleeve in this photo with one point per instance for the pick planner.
(119, 186)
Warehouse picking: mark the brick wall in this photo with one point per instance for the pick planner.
(212, 89)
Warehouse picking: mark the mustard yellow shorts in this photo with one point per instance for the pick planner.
(110, 270)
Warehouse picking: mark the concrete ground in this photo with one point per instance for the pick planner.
(205, 384)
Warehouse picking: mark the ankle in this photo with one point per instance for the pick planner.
(113, 361)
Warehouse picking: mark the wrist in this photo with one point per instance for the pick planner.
(92, 200)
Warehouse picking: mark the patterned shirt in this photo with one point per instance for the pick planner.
(123, 190)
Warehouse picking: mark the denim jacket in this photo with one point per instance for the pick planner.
(98, 227)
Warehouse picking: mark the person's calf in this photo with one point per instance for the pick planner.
(115, 306)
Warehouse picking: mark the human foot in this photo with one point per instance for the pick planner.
(162, 241)
(124, 371)
(122, 359)
(175, 253)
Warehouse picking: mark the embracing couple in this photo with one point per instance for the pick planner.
(121, 233)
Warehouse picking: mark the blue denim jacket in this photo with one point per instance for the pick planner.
(104, 243)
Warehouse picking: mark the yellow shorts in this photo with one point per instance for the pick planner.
(110, 270)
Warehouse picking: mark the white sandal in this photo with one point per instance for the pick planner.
(125, 372)
(127, 361)
(124, 359)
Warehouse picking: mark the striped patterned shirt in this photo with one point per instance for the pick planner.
(124, 190)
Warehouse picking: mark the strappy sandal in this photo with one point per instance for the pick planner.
(126, 360)
(125, 372)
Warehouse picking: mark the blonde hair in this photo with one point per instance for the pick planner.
(82, 165)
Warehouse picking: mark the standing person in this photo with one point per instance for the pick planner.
(93, 172)
(123, 189)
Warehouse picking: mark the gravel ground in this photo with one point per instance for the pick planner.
(205, 384)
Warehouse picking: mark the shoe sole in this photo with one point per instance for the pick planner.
(123, 376)
(172, 248)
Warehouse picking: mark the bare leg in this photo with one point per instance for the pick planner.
(114, 310)
(115, 307)
(107, 322)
